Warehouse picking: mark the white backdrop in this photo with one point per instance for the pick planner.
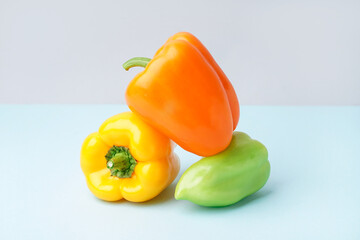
(274, 52)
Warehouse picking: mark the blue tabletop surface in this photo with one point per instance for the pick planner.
(313, 191)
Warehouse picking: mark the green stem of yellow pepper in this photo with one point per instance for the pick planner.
(120, 162)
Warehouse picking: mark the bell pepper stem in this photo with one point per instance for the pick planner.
(136, 62)
(120, 162)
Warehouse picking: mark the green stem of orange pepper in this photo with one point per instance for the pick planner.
(136, 62)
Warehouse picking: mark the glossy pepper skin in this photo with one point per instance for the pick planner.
(226, 178)
(156, 164)
(185, 95)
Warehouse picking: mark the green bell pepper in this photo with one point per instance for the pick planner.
(226, 178)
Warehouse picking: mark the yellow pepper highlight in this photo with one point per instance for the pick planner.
(139, 163)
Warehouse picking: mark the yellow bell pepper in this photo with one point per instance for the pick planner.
(128, 159)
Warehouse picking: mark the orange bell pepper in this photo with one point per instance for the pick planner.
(185, 95)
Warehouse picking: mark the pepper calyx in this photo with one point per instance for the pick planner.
(120, 162)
